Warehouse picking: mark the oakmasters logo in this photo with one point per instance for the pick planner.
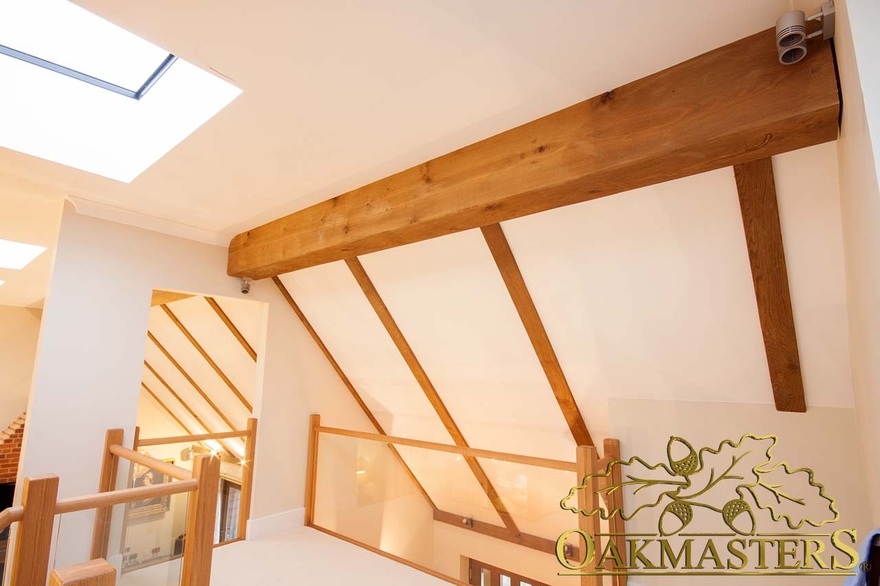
(733, 509)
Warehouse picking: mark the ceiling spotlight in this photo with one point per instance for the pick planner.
(791, 32)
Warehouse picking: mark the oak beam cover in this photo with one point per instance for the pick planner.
(348, 384)
(731, 105)
(760, 214)
(528, 314)
(406, 352)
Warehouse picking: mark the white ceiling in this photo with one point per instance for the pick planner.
(337, 94)
(29, 213)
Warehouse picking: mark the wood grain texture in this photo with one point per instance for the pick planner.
(232, 327)
(247, 478)
(528, 314)
(616, 524)
(181, 439)
(106, 483)
(728, 106)
(312, 469)
(201, 350)
(760, 214)
(161, 297)
(460, 450)
(205, 397)
(30, 566)
(165, 468)
(96, 572)
(406, 352)
(198, 549)
(588, 499)
(166, 409)
(125, 495)
(348, 384)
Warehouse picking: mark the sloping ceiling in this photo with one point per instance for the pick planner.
(218, 341)
(644, 295)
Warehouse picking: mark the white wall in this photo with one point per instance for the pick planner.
(858, 52)
(19, 332)
(91, 354)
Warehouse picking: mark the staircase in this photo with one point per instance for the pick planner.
(10, 449)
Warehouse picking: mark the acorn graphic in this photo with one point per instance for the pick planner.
(686, 465)
(675, 517)
(734, 518)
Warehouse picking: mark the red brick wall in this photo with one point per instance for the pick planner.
(10, 449)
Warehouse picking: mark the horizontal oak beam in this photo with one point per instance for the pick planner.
(760, 214)
(731, 105)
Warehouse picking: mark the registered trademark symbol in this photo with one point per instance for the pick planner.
(865, 567)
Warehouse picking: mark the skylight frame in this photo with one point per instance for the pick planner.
(95, 81)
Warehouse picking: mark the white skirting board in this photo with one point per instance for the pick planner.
(277, 523)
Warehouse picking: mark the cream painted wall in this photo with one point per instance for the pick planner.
(19, 333)
(858, 52)
(91, 353)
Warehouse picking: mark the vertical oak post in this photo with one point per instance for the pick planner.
(588, 500)
(247, 478)
(107, 482)
(198, 548)
(30, 565)
(312, 469)
(616, 524)
(137, 438)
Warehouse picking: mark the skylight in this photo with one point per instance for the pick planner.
(63, 37)
(17, 255)
(49, 113)
(1, 283)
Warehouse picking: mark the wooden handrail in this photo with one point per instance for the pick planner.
(179, 439)
(118, 497)
(10, 515)
(165, 468)
(477, 453)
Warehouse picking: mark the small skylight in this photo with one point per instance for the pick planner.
(1, 283)
(65, 38)
(17, 255)
(57, 63)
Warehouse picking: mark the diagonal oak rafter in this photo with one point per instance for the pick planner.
(348, 384)
(190, 380)
(195, 343)
(232, 327)
(186, 406)
(528, 314)
(366, 285)
(760, 213)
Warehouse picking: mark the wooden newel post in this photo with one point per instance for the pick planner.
(30, 565)
(107, 483)
(247, 478)
(616, 525)
(198, 548)
(312, 469)
(588, 500)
